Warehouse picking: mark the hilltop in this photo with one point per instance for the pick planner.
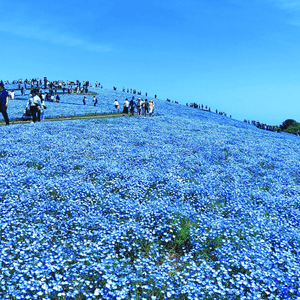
(185, 205)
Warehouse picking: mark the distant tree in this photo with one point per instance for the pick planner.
(290, 126)
(294, 128)
(287, 123)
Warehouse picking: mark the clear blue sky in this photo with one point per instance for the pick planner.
(240, 57)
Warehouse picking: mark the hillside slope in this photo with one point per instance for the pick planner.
(184, 205)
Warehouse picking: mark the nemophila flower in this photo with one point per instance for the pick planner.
(174, 206)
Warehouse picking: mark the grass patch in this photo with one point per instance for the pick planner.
(267, 166)
(35, 165)
(78, 167)
(179, 241)
(3, 153)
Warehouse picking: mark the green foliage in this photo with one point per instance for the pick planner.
(35, 165)
(294, 128)
(290, 126)
(267, 166)
(286, 124)
(3, 153)
(181, 239)
(78, 167)
(209, 249)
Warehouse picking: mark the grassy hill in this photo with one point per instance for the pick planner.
(184, 205)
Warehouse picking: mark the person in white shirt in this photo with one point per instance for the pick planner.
(12, 95)
(151, 107)
(34, 102)
(126, 105)
(116, 104)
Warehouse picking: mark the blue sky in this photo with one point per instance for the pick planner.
(240, 57)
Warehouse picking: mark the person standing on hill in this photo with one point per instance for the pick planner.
(95, 100)
(132, 106)
(116, 104)
(34, 102)
(4, 102)
(151, 107)
(139, 106)
(146, 107)
(125, 108)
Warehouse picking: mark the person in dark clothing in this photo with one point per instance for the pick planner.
(95, 101)
(146, 107)
(132, 106)
(4, 102)
(139, 106)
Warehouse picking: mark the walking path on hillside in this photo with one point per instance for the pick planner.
(62, 118)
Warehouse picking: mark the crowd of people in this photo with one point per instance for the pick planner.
(36, 98)
(263, 126)
(38, 95)
(202, 107)
(140, 107)
(35, 106)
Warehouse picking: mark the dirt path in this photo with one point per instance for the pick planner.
(62, 118)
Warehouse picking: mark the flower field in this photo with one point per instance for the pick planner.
(184, 205)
